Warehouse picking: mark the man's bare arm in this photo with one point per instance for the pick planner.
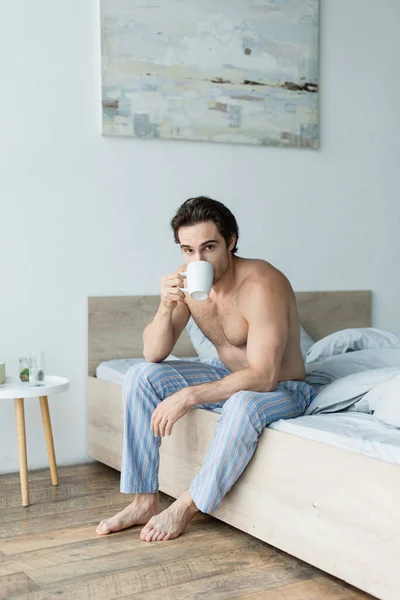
(265, 307)
(161, 334)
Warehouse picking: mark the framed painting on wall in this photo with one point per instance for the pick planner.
(233, 71)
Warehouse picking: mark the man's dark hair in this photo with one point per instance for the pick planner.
(202, 208)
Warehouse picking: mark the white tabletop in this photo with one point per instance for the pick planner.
(15, 388)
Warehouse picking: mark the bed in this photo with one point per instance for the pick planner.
(322, 499)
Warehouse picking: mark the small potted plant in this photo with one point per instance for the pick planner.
(24, 365)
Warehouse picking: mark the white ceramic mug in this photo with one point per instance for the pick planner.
(199, 279)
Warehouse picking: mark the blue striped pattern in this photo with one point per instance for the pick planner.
(243, 417)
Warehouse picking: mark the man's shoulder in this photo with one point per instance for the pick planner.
(264, 291)
(260, 275)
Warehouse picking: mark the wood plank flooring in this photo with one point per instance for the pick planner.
(50, 550)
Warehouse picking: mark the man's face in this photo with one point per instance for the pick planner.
(204, 242)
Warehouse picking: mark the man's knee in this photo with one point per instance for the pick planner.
(241, 404)
(143, 374)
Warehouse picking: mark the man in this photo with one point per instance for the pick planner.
(251, 317)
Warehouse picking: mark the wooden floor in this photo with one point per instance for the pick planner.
(50, 550)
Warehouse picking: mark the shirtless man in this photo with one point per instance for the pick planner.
(258, 377)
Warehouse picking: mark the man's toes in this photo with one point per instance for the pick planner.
(103, 528)
(146, 533)
(149, 535)
(146, 529)
(161, 536)
(154, 535)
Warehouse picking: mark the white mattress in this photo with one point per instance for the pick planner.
(115, 370)
(349, 430)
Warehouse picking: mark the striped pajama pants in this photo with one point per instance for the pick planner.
(243, 417)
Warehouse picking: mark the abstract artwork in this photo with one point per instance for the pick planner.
(233, 71)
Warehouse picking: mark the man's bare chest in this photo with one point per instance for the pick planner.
(223, 324)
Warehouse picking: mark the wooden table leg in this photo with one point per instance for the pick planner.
(22, 454)
(44, 407)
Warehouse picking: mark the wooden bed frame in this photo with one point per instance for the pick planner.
(334, 509)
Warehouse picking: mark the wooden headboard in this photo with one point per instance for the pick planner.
(115, 323)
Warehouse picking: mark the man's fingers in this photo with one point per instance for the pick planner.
(176, 295)
(153, 418)
(155, 424)
(176, 281)
(162, 426)
(162, 421)
(159, 425)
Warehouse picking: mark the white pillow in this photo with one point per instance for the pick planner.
(323, 372)
(206, 349)
(384, 401)
(347, 340)
(351, 390)
(306, 341)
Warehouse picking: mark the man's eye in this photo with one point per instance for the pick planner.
(187, 250)
(210, 246)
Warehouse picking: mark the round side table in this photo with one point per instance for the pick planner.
(14, 388)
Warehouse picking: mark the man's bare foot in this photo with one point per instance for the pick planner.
(171, 522)
(138, 512)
